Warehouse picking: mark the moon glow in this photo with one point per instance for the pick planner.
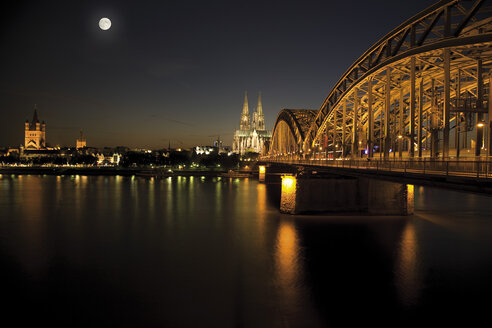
(104, 23)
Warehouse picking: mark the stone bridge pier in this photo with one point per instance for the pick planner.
(309, 191)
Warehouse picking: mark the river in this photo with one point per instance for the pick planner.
(85, 251)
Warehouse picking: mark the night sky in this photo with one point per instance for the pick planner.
(175, 70)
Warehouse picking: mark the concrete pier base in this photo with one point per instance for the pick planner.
(261, 173)
(340, 194)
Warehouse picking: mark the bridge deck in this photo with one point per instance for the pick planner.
(475, 176)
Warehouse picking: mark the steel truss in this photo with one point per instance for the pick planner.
(421, 91)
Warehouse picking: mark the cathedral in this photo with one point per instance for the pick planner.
(252, 133)
(35, 133)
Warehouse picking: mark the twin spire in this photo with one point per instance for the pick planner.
(258, 117)
(245, 104)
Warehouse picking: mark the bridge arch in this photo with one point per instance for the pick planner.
(420, 91)
(289, 131)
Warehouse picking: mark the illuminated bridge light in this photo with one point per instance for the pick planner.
(288, 182)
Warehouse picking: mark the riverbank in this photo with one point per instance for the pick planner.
(145, 172)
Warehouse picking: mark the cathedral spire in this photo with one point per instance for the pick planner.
(245, 118)
(259, 109)
(261, 118)
(245, 104)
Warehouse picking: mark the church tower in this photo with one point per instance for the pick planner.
(81, 142)
(35, 133)
(245, 118)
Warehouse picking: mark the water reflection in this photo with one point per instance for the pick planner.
(293, 293)
(261, 206)
(182, 249)
(191, 193)
(407, 273)
(151, 195)
(218, 197)
(286, 258)
(118, 193)
(33, 238)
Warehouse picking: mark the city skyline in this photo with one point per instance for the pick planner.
(175, 71)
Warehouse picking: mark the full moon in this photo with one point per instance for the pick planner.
(104, 23)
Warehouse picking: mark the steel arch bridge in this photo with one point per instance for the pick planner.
(421, 91)
(290, 130)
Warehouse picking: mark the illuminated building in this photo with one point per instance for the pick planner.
(108, 158)
(204, 150)
(81, 142)
(252, 134)
(35, 133)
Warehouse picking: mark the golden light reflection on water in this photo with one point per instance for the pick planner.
(286, 261)
(293, 294)
(261, 203)
(169, 200)
(135, 182)
(261, 210)
(118, 190)
(59, 190)
(31, 192)
(78, 194)
(191, 193)
(151, 205)
(408, 278)
(218, 197)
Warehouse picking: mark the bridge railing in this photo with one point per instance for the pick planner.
(475, 169)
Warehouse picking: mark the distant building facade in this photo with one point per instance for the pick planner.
(252, 133)
(81, 142)
(35, 133)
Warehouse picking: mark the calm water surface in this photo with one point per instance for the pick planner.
(78, 251)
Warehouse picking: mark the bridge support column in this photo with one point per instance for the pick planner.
(355, 118)
(411, 149)
(370, 114)
(261, 173)
(288, 196)
(457, 125)
(342, 194)
(344, 113)
(480, 123)
(401, 130)
(387, 107)
(447, 100)
(421, 109)
(489, 146)
(434, 123)
(334, 134)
